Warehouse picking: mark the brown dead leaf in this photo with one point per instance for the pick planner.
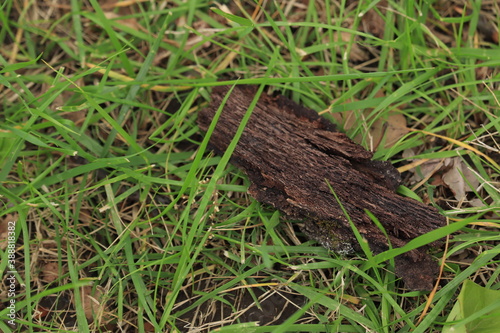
(356, 54)
(50, 272)
(129, 22)
(476, 202)
(396, 129)
(483, 73)
(372, 22)
(424, 170)
(346, 118)
(387, 131)
(110, 4)
(458, 177)
(85, 216)
(447, 172)
(427, 170)
(148, 327)
(437, 180)
(125, 8)
(91, 301)
(494, 36)
(40, 312)
(77, 117)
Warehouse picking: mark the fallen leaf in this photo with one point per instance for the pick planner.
(396, 129)
(387, 131)
(458, 177)
(451, 172)
(476, 202)
(148, 327)
(346, 118)
(91, 301)
(40, 312)
(425, 170)
(129, 22)
(85, 216)
(483, 73)
(356, 53)
(50, 272)
(372, 22)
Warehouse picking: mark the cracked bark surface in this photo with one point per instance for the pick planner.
(291, 154)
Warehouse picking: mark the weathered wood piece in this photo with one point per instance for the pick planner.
(289, 153)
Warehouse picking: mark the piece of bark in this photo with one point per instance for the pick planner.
(290, 153)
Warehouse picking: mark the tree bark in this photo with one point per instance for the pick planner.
(291, 154)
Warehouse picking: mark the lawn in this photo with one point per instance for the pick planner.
(116, 216)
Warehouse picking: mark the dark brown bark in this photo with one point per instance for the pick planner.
(290, 154)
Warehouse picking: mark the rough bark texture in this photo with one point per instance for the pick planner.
(289, 153)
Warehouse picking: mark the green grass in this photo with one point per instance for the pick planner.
(108, 176)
